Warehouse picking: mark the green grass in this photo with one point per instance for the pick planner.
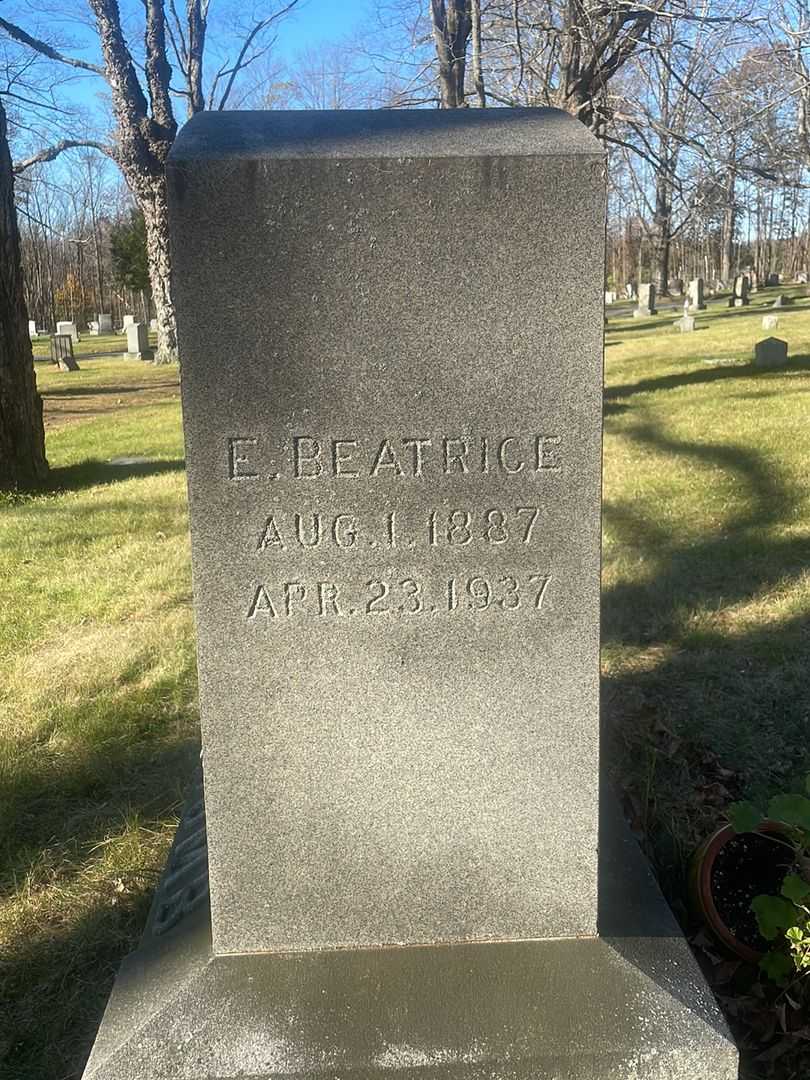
(97, 712)
(705, 629)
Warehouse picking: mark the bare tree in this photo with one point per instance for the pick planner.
(22, 436)
(143, 107)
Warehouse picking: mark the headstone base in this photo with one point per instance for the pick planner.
(643, 313)
(628, 1005)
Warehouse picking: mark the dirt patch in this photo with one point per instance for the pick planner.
(72, 404)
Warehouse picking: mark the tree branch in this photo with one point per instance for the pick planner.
(42, 47)
(240, 60)
(51, 152)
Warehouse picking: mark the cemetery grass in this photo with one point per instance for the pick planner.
(705, 615)
(98, 713)
(706, 602)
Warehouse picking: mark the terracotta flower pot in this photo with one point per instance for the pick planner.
(703, 884)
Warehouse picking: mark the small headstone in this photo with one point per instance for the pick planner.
(676, 286)
(685, 324)
(630, 290)
(68, 328)
(93, 328)
(129, 320)
(740, 295)
(138, 342)
(695, 295)
(770, 322)
(395, 536)
(610, 297)
(105, 324)
(770, 353)
(32, 328)
(801, 277)
(753, 281)
(646, 301)
(782, 300)
(773, 279)
(62, 352)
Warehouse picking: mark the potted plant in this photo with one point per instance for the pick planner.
(751, 883)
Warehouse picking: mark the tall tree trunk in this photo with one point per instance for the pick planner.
(22, 436)
(452, 24)
(156, 218)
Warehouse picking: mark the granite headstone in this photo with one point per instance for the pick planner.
(138, 342)
(771, 352)
(395, 547)
(695, 295)
(646, 301)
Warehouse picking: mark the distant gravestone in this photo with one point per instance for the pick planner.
(67, 328)
(395, 541)
(773, 279)
(685, 324)
(630, 291)
(695, 295)
(676, 286)
(62, 352)
(770, 322)
(32, 328)
(801, 277)
(739, 297)
(770, 353)
(610, 297)
(129, 320)
(753, 281)
(646, 301)
(782, 300)
(138, 342)
(153, 325)
(105, 324)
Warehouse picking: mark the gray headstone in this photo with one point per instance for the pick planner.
(685, 324)
(396, 576)
(741, 286)
(773, 279)
(62, 352)
(138, 342)
(646, 300)
(105, 324)
(68, 328)
(770, 322)
(676, 286)
(770, 353)
(695, 295)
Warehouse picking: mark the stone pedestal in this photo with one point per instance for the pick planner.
(395, 525)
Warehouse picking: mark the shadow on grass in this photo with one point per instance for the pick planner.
(716, 710)
(91, 391)
(698, 376)
(136, 759)
(91, 472)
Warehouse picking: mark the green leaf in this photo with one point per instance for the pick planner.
(774, 914)
(795, 888)
(744, 816)
(777, 966)
(792, 809)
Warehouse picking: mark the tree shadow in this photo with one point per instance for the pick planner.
(714, 708)
(132, 760)
(91, 472)
(92, 391)
(706, 374)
